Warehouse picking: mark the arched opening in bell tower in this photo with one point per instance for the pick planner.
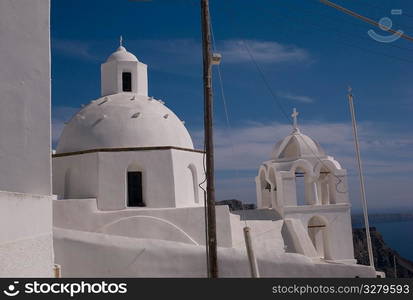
(300, 186)
(126, 81)
(265, 191)
(318, 232)
(327, 186)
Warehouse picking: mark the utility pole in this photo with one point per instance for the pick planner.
(209, 143)
(361, 177)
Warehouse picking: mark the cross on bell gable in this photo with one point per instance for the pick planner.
(294, 115)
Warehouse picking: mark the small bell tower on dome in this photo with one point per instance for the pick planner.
(124, 73)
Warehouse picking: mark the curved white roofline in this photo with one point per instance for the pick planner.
(121, 54)
(123, 120)
(295, 146)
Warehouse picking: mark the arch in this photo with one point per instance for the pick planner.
(134, 167)
(149, 227)
(305, 165)
(301, 186)
(135, 186)
(126, 81)
(265, 188)
(273, 181)
(331, 165)
(325, 171)
(194, 188)
(327, 185)
(318, 231)
(305, 182)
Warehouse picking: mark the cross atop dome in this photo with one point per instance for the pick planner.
(121, 41)
(294, 115)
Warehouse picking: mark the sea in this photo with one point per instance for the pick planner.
(398, 235)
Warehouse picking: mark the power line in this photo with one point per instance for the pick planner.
(353, 45)
(224, 101)
(273, 94)
(264, 79)
(365, 19)
(382, 7)
(322, 26)
(346, 20)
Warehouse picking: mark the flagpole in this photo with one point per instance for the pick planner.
(361, 177)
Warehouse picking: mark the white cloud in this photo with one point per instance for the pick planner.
(298, 98)
(235, 51)
(74, 48)
(386, 154)
(187, 52)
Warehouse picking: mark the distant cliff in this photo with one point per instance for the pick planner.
(235, 204)
(383, 254)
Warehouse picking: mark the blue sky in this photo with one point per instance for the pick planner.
(309, 53)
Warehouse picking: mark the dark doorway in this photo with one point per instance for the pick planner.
(135, 189)
(127, 81)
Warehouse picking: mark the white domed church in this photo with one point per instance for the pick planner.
(127, 179)
(125, 195)
(127, 149)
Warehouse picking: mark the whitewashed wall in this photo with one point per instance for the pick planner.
(188, 173)
(102, 175)
(26, 247)
(81, 255)
(26, 235)
(25, 96)
(338, 224)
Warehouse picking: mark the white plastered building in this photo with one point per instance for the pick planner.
(26, 244)
(127, 149)
(130, 198)
(308, 189)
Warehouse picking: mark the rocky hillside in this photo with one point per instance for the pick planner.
(383, 254)
(235, 204)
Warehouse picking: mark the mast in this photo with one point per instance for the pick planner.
(361, 177)
(209, 144)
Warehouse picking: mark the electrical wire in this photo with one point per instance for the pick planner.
(280, 105)
(225, 105)
(335, 30)
(346, 42)
(285, 114)
(382, 7)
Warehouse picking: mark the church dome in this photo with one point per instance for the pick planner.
(295, 146)
(123, 120)
(121, 54)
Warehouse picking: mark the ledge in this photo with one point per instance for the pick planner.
(125, 150)
(310, 208)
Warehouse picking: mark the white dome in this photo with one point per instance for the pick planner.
(121, 54)
(123, 120)
(295, 146)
